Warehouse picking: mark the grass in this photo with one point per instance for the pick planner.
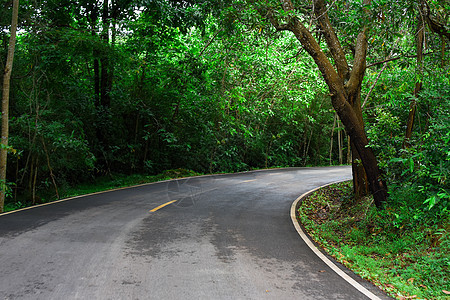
(409, 260)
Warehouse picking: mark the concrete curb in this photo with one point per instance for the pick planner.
(311, 245)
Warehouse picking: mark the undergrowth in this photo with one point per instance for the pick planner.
(405, 256)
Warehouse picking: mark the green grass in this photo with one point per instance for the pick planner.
(406, 259)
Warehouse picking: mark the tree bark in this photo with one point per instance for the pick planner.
(5, 103)
(360, 183)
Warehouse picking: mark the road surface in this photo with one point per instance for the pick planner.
(210, 237)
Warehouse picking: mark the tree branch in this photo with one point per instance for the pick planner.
(210, 41)
(359, 66)
(434, 25)
(311, 46)
(379, 75)
(396, 58)
(331, 38)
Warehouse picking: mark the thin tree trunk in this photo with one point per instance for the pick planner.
(33, 188)
(112, 22)
(379, 74)
(30, 179)
(331, 139)
(52, 176)
(418, 86)
(307, 147)
(92, 19)
(17, 179)
(5, 103)
(96, 79)
(340, 142)
(104, 61)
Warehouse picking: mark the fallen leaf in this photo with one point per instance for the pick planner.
(411, 280)
(321, 271)
(446, 292)
(423, 286)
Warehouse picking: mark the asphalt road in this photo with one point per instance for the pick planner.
(225, 237)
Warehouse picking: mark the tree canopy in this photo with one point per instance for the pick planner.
(123, 86)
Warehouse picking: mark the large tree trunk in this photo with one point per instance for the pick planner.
(5, 103)
(360, 183)
(344, 85)
(360, 143)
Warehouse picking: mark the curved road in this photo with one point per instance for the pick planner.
(225, 237)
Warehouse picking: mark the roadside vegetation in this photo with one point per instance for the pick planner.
(404, 252)
(403, 247)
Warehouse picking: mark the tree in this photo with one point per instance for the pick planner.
(5, 103)
(344, 82)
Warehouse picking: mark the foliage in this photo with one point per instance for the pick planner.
(186, 87)
(210, 86)
(140, 87)
(404, 260)
(422, 168)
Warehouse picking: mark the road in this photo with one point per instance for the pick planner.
(222, 237)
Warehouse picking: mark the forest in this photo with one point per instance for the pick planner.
(100, 89)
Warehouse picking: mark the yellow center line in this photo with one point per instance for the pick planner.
(162, 205)
(248, 180)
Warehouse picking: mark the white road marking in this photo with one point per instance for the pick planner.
(329, 263)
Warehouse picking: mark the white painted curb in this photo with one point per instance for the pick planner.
(328, 262)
